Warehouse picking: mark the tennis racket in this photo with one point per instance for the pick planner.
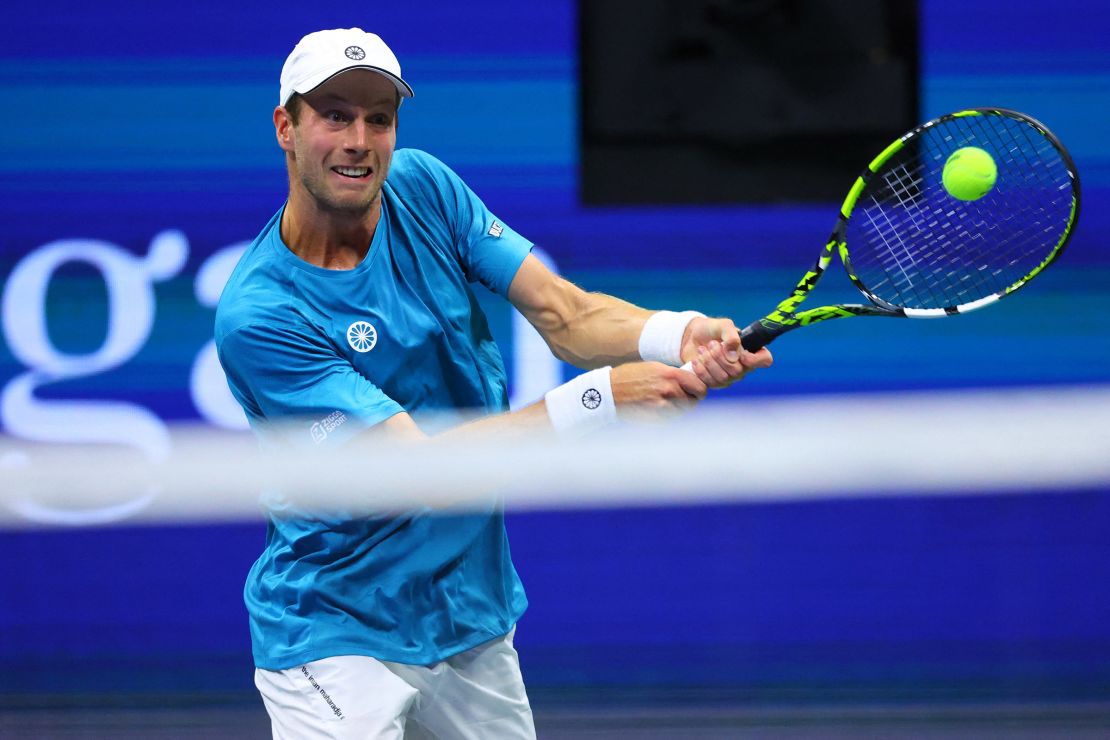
(914, 250)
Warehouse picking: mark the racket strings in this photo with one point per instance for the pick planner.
(973, 259)
(907, 249)
(919, 241)
(1034, 142)
(900, 262)
(962, 245)
(912, 244)
(935, 234)
(1034, 150)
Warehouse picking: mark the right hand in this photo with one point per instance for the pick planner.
(713, 349)
(652, 391)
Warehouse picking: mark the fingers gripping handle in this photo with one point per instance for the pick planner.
(754, 337)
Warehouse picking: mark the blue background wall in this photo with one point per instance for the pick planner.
(126, 121)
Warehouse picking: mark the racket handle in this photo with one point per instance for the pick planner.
(755, 336)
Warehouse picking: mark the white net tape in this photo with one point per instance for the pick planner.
(935, 444)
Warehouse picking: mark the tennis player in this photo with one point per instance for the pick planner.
(352, 313)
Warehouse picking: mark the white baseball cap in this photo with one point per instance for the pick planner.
(322, 55)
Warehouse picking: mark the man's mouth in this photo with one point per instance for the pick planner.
(352, 172)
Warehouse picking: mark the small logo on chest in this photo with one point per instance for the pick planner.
(362, 336)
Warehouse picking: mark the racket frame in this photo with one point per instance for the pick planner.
(786, 317)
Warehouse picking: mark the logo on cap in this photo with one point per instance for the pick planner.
(355, 52)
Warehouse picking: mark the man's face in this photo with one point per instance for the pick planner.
(342, 144)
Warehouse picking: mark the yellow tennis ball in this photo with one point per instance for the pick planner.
(969, 173)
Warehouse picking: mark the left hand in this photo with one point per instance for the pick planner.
(719, 360)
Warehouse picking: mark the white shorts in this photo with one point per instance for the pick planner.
(475, 694)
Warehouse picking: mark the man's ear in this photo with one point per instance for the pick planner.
(283, 128)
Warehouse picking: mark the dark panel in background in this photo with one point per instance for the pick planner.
(718, 101)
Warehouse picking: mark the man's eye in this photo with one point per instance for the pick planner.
(335, 116)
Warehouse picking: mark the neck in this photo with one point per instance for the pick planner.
(336, 240)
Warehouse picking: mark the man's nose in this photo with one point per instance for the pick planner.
(358, 136)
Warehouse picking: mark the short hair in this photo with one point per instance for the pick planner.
(293, 107)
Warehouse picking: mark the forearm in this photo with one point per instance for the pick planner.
(584, 403)
(600, 330)
(588, 330)
(559, 409)
(591, 330)
(531, 419)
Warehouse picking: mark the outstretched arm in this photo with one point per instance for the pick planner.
(593, 329)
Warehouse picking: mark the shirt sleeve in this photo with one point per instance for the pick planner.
(297, 387)
(489, 250)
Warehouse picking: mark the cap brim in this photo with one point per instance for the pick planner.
(313, 82)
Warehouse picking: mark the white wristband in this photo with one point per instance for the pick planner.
(661, 339)
(582, 404)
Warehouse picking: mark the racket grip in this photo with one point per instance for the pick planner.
(755, 336)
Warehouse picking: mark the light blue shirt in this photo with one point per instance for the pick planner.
(335, 352)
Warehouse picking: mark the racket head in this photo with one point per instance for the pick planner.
(916, 250)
